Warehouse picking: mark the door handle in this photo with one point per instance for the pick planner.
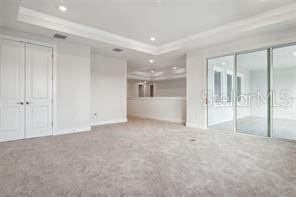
(20, 103)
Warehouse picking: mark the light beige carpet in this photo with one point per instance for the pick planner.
(148, 158)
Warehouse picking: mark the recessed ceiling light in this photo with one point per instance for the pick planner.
(223, 63)
(294, 53)
(151, 61)
(152, 71)
(63, 8)
(174, 67)
(152, 39)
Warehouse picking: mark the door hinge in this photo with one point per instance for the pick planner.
(52, 123)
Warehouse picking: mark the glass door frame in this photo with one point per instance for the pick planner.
(269, 61)
(270, 79)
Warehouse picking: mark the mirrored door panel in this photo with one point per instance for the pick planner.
(252, 93)
(220, 89)
(284, 91)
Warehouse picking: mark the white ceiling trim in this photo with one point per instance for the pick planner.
(162, 78)
(138, 76)
(47, 21)
(161, 75)
(166, 78)
(272, 17)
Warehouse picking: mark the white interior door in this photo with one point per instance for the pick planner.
(39, 64)
(12, 108)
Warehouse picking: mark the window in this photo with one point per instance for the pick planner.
(217, 85)
(229, 87)
(151, 90)
(141, 90)
(223, 85)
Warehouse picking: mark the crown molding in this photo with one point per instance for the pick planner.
(265, 19)
(50, 22)
(157, 76)
(162, 78)
(139, 75)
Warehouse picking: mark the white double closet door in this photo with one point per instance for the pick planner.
(25, 90)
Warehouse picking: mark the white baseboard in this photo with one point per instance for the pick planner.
(82, 129)
(11, 138)
(106, 122)
(195, 126)
(72, 130)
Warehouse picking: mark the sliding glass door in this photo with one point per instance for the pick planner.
(220, 93)
(252, 93)
(284, 91)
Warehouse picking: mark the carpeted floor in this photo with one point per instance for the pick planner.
(148, 158)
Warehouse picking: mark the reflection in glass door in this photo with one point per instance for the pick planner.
(252, 93)
(284, 91)
(220, 88)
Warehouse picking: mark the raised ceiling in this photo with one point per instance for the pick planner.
(168, 21)
(178, 25)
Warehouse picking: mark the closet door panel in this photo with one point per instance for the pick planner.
(12, 87)
(38, 91)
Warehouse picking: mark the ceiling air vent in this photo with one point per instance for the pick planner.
(117, 50)
(60, 36)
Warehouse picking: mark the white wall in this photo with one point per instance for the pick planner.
(72, 69)
(108, 89)
(166, 88)
(196, 75)
(132, 89)
(73, 88)
(159, 108)
(72, 103)
(196, 62)
(170, 88)
(168, 103)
